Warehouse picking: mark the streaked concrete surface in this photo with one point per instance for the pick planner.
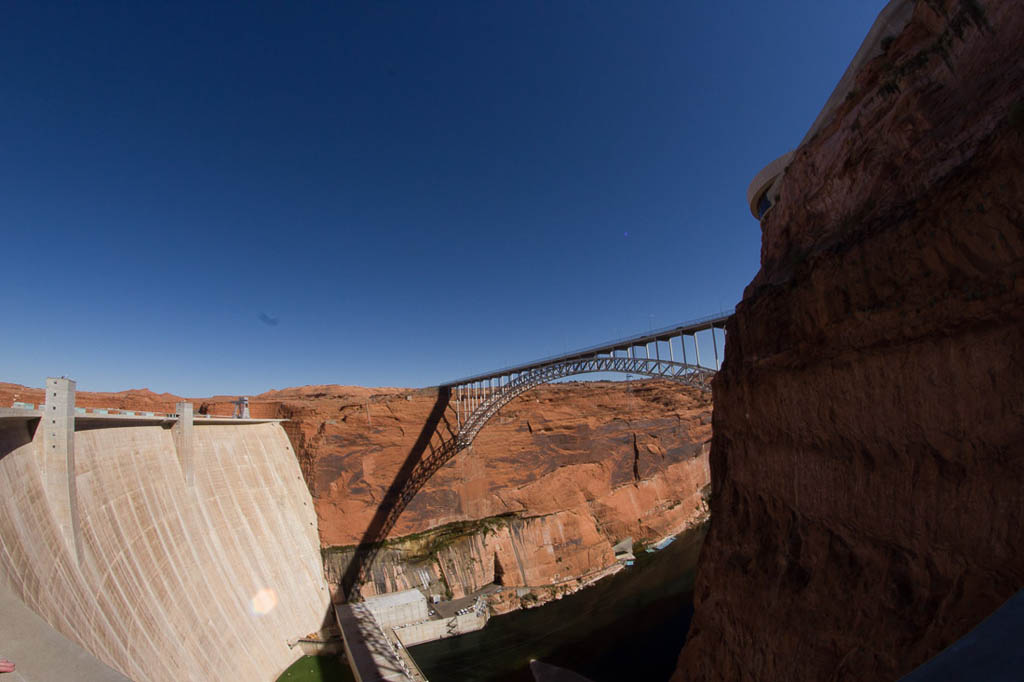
(40, 653)
(173, 582)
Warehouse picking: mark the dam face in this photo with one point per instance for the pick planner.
(163, 578)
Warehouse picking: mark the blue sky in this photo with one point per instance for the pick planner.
(220, 198)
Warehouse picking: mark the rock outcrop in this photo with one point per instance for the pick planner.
(551, 483)
(868, 451)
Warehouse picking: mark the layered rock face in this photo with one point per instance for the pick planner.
(550, 484)
(541, 556)
(868, 452)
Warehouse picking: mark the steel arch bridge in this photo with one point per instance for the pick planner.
(483, 402)
(472, 401)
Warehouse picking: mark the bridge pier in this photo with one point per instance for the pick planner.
(58, 460)
(714, 344)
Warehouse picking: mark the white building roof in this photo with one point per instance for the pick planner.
(393, 599)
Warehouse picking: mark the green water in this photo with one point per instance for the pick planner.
(627, 627)
(318, 669)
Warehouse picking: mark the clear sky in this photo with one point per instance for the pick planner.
(226, 198)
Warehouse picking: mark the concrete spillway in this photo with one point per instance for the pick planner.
(164, 580)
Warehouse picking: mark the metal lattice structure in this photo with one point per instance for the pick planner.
(484, 402)
(475, 400)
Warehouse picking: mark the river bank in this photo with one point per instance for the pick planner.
(644, 610)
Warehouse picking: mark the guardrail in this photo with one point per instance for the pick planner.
(689, 328)
(116, 411)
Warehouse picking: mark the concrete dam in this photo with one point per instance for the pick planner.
(166, 547)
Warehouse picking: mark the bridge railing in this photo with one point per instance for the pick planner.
(118, 411)
(473, 409)
(689, 328)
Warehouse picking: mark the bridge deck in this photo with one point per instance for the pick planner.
(372, 656)
(107, 419)
(663, 334)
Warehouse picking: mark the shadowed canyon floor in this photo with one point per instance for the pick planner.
(628, 627)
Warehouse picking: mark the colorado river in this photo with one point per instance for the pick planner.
(630, 626)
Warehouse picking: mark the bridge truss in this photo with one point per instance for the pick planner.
(478, 398)
(482, 401)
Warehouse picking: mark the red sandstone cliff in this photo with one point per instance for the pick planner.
(558, 476)
(578, 466)
(868, 452)
(612, 452)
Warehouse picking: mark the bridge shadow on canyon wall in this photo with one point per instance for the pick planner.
(397, 496)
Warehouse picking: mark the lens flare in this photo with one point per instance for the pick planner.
(264, 601)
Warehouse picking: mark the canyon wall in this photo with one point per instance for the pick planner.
(868, 452)
(174, 582)
(551, 483)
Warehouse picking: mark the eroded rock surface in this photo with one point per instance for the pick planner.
(868, 452)
(568, 469)
(551, 483)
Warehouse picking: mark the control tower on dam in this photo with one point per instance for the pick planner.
(170, 547)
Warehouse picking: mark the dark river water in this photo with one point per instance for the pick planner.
(630, 626)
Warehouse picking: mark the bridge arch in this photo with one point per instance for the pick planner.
(495, 399)
(485, 408)
(475, 400)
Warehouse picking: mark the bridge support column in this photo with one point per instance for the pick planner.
(58, 459)
(184, 442)
(714, 342)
